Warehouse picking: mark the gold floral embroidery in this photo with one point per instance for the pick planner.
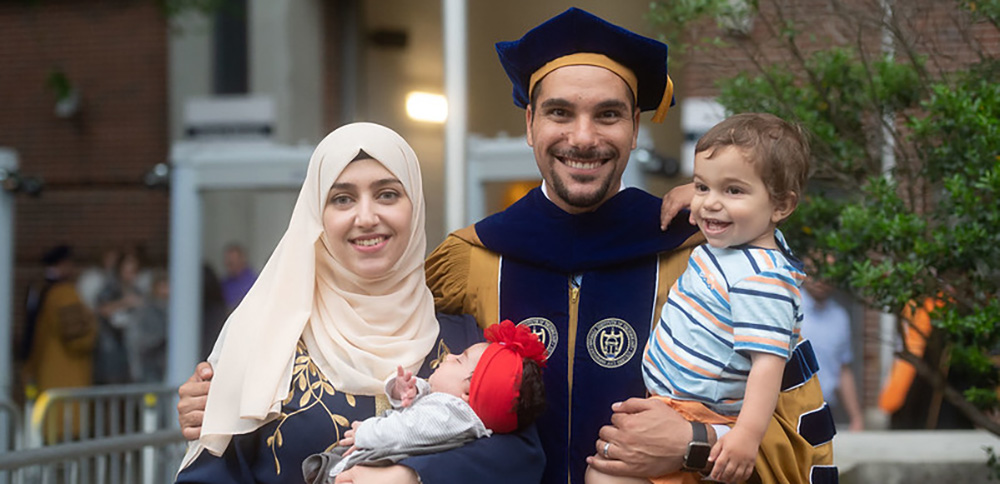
(381, 404)
(307, 379)
(442, 351)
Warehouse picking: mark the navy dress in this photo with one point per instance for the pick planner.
(315, 416)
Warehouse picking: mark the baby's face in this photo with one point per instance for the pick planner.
(454, 374)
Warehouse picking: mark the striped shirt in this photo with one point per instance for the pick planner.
(728, 303)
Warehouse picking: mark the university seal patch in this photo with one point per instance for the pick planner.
(611, 342)
(545, 330)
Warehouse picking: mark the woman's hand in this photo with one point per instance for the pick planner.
(396, 474)
(193, 396)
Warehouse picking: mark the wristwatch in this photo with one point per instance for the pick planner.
(696, 457)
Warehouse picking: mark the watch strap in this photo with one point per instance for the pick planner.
(699, 433)
(697, 461)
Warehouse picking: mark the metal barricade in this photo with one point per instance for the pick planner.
(62, 415)
(144, 458)
(110, 434)
(11, 426)
(11, 431)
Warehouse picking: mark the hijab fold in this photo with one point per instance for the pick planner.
(356, 329)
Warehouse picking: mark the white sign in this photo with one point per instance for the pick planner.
(229, 118)
(698, 115)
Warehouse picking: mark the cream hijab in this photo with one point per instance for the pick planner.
(356, 330)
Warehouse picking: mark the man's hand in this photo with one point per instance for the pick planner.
(734, 456)
(405, 387)
(674, 201)
(395, 474)
(647, 438)
(193, 395)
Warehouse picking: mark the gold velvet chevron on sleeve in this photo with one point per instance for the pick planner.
(463, 277)
(447, 272)
(785, 455)
(672, 265)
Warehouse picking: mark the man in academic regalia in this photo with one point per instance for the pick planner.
(583, 262)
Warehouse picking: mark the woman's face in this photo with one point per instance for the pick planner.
(367, 218)
(128, 270)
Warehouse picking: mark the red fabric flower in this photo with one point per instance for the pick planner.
(520, 339)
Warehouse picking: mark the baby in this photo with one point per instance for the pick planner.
(494, 386)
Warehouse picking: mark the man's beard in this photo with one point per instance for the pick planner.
(585, 200)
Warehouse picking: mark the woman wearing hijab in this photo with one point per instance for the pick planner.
(341, 302)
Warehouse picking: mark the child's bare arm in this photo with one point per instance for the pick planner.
(735, 453)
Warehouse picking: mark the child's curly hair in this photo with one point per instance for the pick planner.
(778, 150)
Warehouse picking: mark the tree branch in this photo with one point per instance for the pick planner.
(939, 383)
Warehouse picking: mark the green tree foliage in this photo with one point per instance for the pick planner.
(174, 8)
(869, 81)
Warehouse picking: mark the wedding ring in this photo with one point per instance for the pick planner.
(606, 445)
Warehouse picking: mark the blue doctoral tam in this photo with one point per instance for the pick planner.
(576, 31)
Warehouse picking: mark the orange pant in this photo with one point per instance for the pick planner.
(692, 412)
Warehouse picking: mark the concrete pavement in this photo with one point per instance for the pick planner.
(914, 456)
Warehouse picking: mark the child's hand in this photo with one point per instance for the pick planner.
(674, 201)
(348, 439)
(405, 389)
(734, 456)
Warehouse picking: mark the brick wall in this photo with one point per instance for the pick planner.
(115, 52)
(817, 18)
(942, 36)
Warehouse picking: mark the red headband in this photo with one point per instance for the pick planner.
(496, 381)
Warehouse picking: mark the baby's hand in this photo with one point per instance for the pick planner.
(734, 456)
(348, 438)
(405, 389)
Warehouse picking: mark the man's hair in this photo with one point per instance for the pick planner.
(57, 254)
(778, 150)
(536, 92)
(531, 402)
(235, 247)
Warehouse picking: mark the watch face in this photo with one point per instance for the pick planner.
(697, 455)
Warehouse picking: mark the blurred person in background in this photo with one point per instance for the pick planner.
(117, 305)
(94, 278)
(146, 337)
(827, 324)
(213, 309)
(914, 403)
(61, 330)
(239, 275)
(60, 336)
